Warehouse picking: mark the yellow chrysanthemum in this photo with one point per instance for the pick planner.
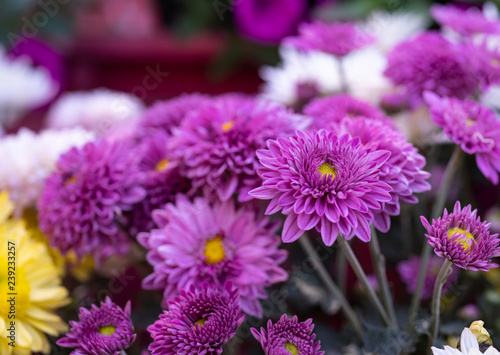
(37, 290)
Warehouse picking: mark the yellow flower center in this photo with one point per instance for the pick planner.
(70, 180)
(469, 122)
(214, 250)
(227, 126)
(327, 169)
(107, 330)
(161, 165)
(201, 322)
(463, 241)
(14, 288)
(292, 349)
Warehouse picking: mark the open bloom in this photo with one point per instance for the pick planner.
(219, 243)
(322, 181)
(468, 346)
(465, 22)
(338, 39)
(288, 336)
(86, 195)
(37, 285)
(431, 62)
(408, 271)
(105, 330)
(217, 144)
(300, 77)
(474, 127)
(463, 239)
(199, 321)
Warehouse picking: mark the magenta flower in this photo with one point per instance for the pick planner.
(322, 181)
(463, 239)
(217, 143)
(329, 111)
(288, 336)
(199, 321)
(90, 189)
(160, 179)
(269, 21)
(408, 271)
(472, 126)
(465, 22)
(402, 171)
(104, 331)
(338, 39)
(219, 243)
(431, 62)
(167, 114)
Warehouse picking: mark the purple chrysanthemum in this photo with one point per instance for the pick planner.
(101, 331)
(408, 271)
(333, 109)
(431, 62)
(161, 180)
(199, 321)
(165, 115)
(219, 243)
(217, 143)
(474, 127)
(463, 239)
(465, 22)
(323, 181)
(288, 336)
(90, 189)
(402, 171)
(338, 39)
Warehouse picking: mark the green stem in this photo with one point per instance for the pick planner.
(305, 243)
(358, 270)
(341, 264)
(379, 266)
(437, 209)
(344, 87)
(444, 272)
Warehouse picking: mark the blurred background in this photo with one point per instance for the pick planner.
(158, 49)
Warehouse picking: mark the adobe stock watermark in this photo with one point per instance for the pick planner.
(223, 6)
(31, 25)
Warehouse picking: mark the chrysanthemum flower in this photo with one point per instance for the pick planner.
(288, 336)
(402, 171)
(331, 110)
(474, 127)
(465, 22)
(338, 39)
(217, 143)
(463, 239)
(431, 62)
(100, 110)
(29, 158)
(219, 243)
(468, 346)
(165, 115)
(37, 286)
(87, 193)
(322, 181)
(199, 321)
(105, 331)
(408, 271)
(160, 179)
(300, 77)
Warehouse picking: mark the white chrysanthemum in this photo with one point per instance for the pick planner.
(29, 158)
(468, 345)
(491, 98)
(22, 87)
(390, 29)
(300, 77)
(98, 110)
